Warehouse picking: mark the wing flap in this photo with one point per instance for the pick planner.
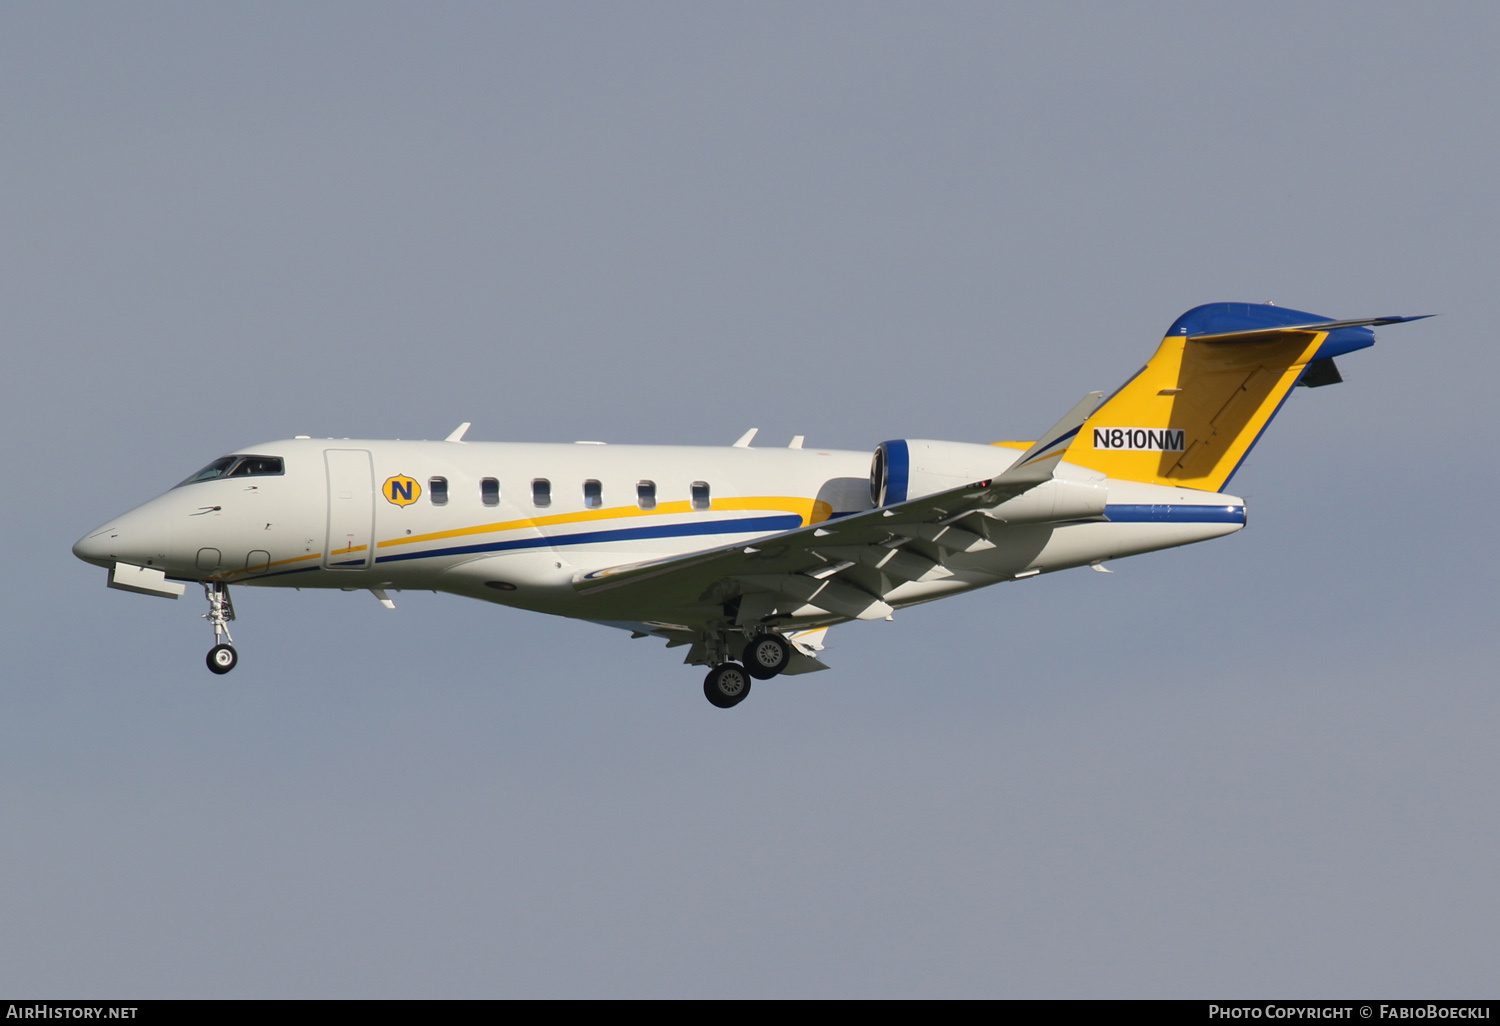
(794, 551)
(822, 594)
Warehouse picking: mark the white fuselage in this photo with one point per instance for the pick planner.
(357, 514)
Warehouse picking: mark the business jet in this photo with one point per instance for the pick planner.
(743, 555)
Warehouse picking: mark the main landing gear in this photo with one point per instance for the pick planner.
(764, 657)
(222, 657)
(726, 685)
(767, 655)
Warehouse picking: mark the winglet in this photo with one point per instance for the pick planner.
(457, 434)
(1037, 463)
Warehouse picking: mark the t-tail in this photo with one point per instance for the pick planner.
(1191, 415)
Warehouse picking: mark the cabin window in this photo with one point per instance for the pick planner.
(700, 495)
(645, 494)
(541, 492)
(437, 490)
(593, 494)
(489, 491)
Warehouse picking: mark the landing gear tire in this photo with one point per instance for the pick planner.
(222, 658)
(767, 655)
(726, 685)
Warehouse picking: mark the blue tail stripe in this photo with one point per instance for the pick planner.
(1164, 513)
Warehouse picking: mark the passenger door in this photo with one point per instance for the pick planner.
(351, 510)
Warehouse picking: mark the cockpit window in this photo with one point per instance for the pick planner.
(237, 466)
(218, 468)
(257, 466)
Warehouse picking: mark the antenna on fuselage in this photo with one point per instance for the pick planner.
(744, 442)
(457, 435)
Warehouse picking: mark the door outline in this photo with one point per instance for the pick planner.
(349, 543)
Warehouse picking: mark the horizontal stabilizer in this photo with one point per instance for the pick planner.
(1270, 334)
(801, 662)
(805, 648)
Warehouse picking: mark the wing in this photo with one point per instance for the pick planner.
(830, 572)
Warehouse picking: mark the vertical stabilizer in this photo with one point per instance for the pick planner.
(1192, 414)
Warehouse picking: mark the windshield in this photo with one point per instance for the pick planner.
(237, 466)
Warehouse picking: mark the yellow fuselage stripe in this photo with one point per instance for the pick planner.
(812, 511)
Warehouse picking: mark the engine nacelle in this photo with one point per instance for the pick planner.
(909, 468)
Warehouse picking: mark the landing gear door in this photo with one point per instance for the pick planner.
(351, 510)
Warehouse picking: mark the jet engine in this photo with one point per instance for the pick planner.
(909, 468)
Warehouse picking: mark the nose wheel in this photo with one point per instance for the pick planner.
(222, 657)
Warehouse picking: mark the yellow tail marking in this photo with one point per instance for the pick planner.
(1219, 394)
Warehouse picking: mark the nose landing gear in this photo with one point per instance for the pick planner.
(222, 657)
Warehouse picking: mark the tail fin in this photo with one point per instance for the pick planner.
(1192, 414)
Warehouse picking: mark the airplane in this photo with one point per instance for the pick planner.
(743, 555)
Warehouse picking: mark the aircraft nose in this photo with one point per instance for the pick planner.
(140, 537)
(98, 546)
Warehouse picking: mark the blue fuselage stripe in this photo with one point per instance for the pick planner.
(746, 525)
(1161, 513)
(1165, 513)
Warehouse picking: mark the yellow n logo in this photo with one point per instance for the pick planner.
(401, 490)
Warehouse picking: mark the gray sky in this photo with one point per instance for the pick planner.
(1262, 766)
